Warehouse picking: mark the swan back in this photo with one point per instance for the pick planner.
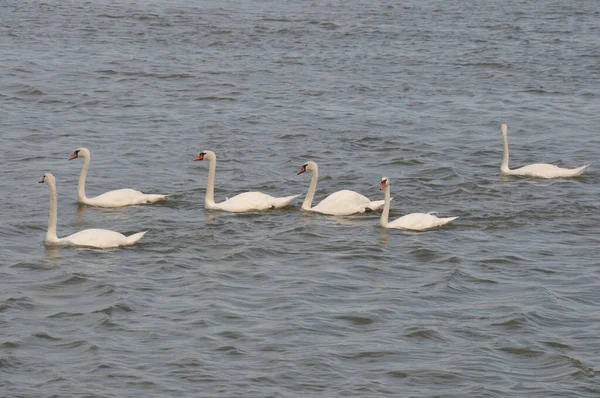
(100, 238)
(420, 222)
(343, 203)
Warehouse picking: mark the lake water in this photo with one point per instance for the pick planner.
(503, 302)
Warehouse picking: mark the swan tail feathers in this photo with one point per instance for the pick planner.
(284, 201)
(376, 205)
(131, 239)
(580, 170)
(446, 220)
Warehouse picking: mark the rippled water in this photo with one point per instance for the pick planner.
(502, 302)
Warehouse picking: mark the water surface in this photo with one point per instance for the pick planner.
(503, 302)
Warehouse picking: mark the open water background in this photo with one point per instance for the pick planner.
(501, 303)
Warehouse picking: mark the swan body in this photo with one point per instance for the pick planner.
(116, 198)
(244, 202)
(413, 221)
(96, 238)
(539, 170)
(340, 203)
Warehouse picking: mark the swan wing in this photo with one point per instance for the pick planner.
(420, 221)
(279, 202)
(253, 201)
(376, 205)
(343, 203)
(543, 170)
(100, 238)
(124, 197)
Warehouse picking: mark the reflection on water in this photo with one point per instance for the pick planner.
(384, 234)
(81, 210)
(211, 217)
(52, 254)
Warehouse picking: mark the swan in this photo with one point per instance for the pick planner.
(540, 170)
(340, 203)
(96, 238)
(116, 198)
(247, 201)
(414, 221)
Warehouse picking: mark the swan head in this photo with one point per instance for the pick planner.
(385, 182)
(309, 166)
(48, 178)
(80, 153)
(504, 129)
(210, 155)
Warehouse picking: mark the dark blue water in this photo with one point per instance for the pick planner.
(503, 302)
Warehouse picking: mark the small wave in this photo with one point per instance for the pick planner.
(522, 351)
(46, 336)
(9, 344)
(115, 309)
(356, 320)
(423, 334)
(24, 89)
(488, 65)
(112, 16)
(539, 91)
(213, 98)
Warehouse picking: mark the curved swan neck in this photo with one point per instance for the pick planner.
(81, 197)
(51, 234)
(385, 214)
(209, 198)
(310, 195)
(504, 167)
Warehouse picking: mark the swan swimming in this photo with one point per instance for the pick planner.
(340, 203)
(413, 221)
(539, 170)
(96, 238)
(116, 198)
(244, 202)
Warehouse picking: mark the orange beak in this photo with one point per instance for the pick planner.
(200, 157)
(302, 170)
(73, 156)
(382, 185)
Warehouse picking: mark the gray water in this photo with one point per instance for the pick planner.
(503, 302)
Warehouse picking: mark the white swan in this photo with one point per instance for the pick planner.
(340, 203)
(97, 238)
(414, 221)
(116, 198)
(540, 170)
(247, 201)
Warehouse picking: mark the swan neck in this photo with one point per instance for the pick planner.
(51, 234)
(209, 198)
(385, 214)
(504, 167)
(310, 195)
(81, 197)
